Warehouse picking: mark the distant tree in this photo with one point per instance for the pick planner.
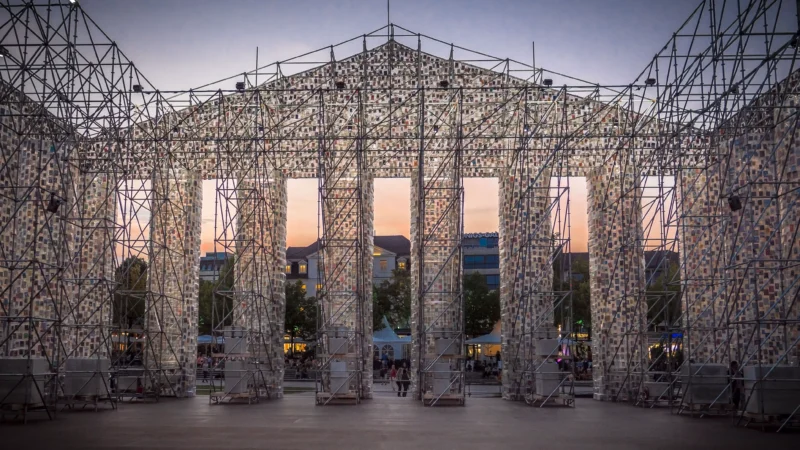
(215, 302)
(392, 298)
(301, 313)
(578, 282)
(482, 306)
(663, 298)
(130, 297)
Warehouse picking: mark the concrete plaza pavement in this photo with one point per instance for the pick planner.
(386, 422)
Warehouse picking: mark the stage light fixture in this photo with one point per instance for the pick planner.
(735, 203)
(53, 204)
(547, 82)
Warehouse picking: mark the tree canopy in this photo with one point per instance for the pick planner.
(581, 301)
(481, 306)
(663, 298)
(130, 297)
(216, 311)
(392, 298)
(301, 312)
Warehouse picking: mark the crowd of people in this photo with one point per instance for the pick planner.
(302, 366)
(394, 372)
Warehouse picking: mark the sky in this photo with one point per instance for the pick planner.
(180, 44)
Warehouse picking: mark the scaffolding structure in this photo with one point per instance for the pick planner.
(692, 172)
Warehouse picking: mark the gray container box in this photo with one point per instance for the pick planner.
(236, 377)
(547, 378)
(339, 377)
(127, 380)
(546, 347)
(447, 347)
(235, 341)
(18, 389)
(86, 376)
(705, 384)
(338, 346)
(441, 378)
(779, 392)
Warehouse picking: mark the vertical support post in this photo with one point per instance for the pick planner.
(171, 315)
(527, 253)
(259, 298)
(617, 282)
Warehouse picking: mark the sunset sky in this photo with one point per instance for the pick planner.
(180, 44)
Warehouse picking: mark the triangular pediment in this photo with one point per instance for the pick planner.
(394, 65)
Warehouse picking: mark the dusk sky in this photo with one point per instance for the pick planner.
(180, 44)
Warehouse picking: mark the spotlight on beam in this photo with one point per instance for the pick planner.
(53, 204)
(735, 203)
(137, 88)
(650, 82)
(444, 84)
(340, 85)
(547, 82)
(240, 86)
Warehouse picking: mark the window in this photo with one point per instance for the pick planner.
(401, 265)
(481, 261)
(384, 265)
(493, 282)
(303, 268)
(288, 268)
(387, 350)
(319, 287)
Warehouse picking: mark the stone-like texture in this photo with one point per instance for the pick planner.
(392, 72)
(173, 278)
(616, 282)
(526, 284)
(703, 251)
(259, 297)
(85, 311)
(436, 285)
(33, 241)
(345, 297)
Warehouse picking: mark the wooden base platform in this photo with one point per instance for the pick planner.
(566, 400)
(90, 401)
(221, 397)
(327, 398)
(716, 409)
(429, 399)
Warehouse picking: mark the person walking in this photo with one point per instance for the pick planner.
(403, 380)
(393, 377)
(736, 384)
(206, 366)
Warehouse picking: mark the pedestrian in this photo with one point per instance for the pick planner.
(736, 384)
(393, 377)
(206, 366)
(402, 381)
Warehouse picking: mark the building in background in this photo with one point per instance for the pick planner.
(211, 264)
(389, 253)
(481, 254)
